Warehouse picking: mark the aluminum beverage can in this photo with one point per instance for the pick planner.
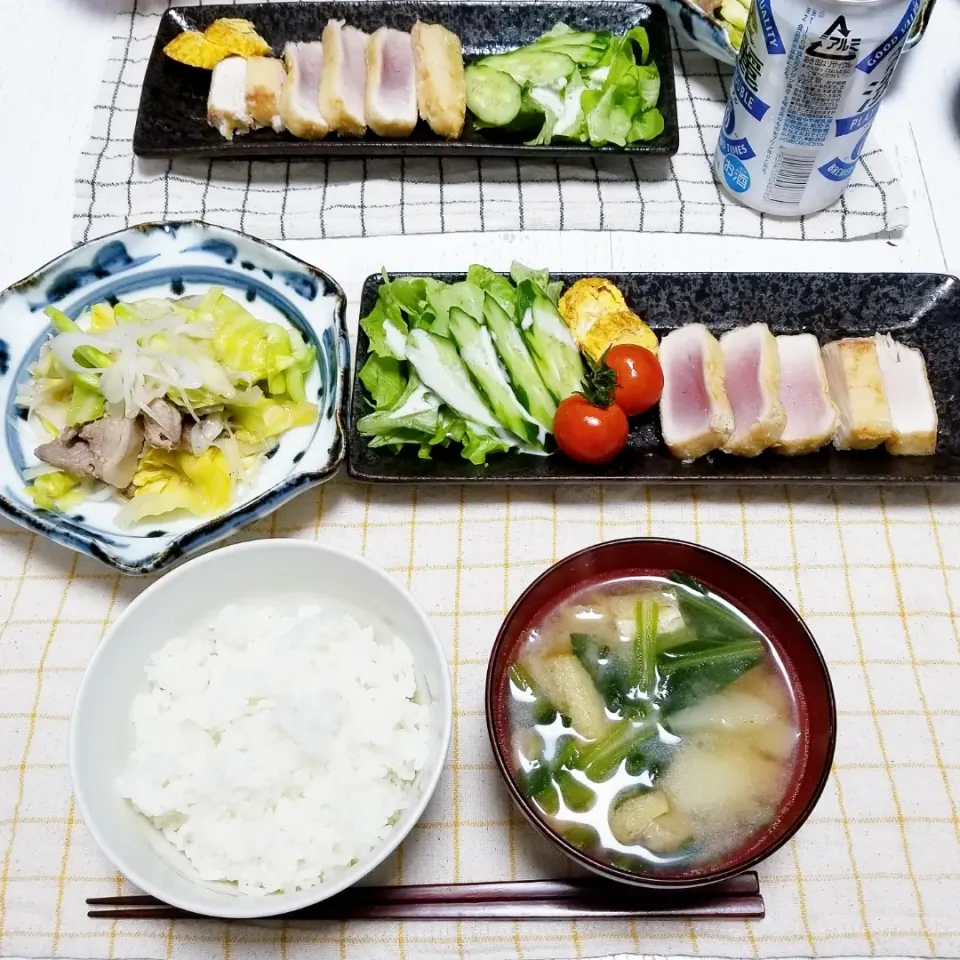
(808, 83)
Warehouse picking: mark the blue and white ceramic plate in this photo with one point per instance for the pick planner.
(705, 32)
(163, 260)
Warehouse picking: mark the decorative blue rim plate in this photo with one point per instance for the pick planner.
(708, 34)
(163, 260)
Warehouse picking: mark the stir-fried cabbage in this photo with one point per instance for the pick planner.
(56, 491)
(237, 384)
(177, 480)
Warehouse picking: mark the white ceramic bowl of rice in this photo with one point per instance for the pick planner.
(260, 728)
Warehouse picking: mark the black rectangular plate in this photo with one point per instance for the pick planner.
(172, 120)
(921, 310)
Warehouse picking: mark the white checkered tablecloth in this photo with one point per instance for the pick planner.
(313, 199)
(876, 574)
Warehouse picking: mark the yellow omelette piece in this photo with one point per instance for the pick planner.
(237, 37)
(195, 50)
(588, 300)
(616, 327)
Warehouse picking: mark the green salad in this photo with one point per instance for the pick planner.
(482, 363)
(587, 86)
(165, 405)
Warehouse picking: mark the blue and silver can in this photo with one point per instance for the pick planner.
(809, 81)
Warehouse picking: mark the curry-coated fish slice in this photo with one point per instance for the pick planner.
(300, 102)
(343, 79)
(227, 100)
(856, 387)
(441, 84)
(752, 381)
(265, 78)
(391, 97)
(913, 411)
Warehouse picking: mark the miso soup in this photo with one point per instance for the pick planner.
(652, 724)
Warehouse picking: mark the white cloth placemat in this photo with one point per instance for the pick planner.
(305, 200)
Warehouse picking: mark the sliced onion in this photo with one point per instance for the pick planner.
(31, 473)
(111, 384)
(64, 345)
(215, 378)
(231, 452)
(202, 434)
(101, 492)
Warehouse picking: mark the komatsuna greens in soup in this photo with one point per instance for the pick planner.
(651, 723)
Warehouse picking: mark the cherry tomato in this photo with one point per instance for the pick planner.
(589, 433)
(639, 378)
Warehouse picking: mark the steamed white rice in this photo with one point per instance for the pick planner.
(276, 746)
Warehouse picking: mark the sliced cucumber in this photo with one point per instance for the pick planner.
(586, 48)
(529, 65)
(492, 97)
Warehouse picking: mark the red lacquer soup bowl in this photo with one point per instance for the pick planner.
(803, 664)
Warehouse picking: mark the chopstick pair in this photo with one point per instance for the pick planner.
(736, 898)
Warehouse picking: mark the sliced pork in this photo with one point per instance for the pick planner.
(68, 453)
(695, 415)
(856, 387)
(913, 412)
(752, 370)
(811, 415)
(227, 100)
(108, 448)
(162, 424)
(391, 97)
(115, 443)
(300, 101)
(441, 82)
(265, 77)
(343, 79)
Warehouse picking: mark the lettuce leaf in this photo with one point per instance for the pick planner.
(410, 296)
(450, 429)
(401, 304)
(413, 418)
(647, 126)
(385, 379)
(562, 111)
(387, 334)
(540, 278)
(465, 295)
(614, 113)
(478, 443)
(500, 288)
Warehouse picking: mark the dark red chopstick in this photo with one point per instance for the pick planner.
(518, 900)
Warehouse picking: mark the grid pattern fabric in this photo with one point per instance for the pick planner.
(314, 199)
(875, 573)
